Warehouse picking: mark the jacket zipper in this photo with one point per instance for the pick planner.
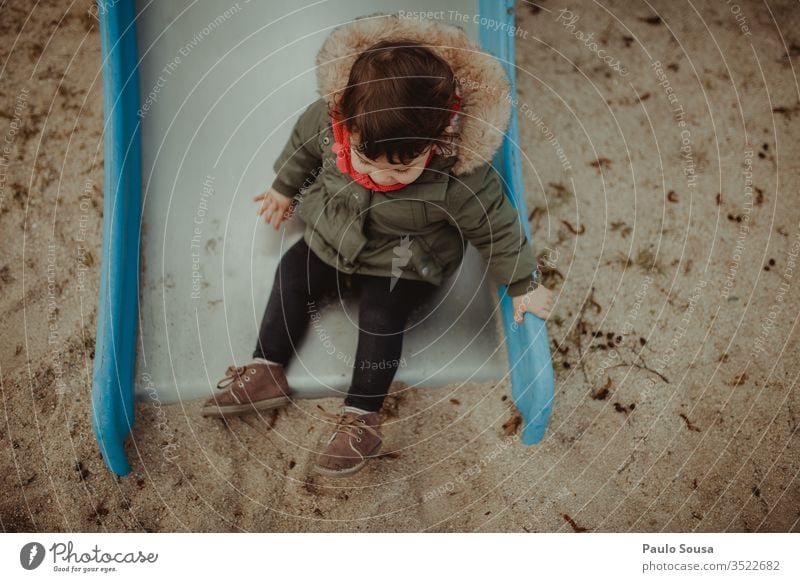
(367, 213)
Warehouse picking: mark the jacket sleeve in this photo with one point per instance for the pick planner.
(489, 221)
(299, 163)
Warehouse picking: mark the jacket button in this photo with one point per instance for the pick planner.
(425, 271)
(326, 140)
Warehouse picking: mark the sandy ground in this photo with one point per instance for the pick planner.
(674, 337)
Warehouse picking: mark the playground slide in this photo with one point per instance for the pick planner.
(199, 99)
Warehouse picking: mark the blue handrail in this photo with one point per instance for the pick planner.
(530, 361)
(115, 348)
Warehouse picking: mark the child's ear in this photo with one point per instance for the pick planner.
(446, 149)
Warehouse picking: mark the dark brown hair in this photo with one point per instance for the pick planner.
(398, 99)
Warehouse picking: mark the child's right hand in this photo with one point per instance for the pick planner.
(275, 207)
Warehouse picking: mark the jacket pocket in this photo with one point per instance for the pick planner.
(334, 221)
(398, 215)
(425, 262)
(419, 213)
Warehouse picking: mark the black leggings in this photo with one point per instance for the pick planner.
(302, 279)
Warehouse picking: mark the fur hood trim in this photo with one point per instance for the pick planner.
(482, 81)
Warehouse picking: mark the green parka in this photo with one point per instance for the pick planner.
(419, 231)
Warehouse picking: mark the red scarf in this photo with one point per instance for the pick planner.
(341, 148)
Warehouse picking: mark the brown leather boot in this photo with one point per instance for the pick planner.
(355, 438)
(256, 386)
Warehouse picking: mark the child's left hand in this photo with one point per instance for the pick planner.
(539, 302)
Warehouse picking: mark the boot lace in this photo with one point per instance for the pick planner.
(238, 374)
(350, 423)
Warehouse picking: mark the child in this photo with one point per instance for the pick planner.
(391, 171)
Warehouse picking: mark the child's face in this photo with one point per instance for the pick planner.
(385, 174)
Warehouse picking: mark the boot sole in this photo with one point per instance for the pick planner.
(351, 470)
(237, 409)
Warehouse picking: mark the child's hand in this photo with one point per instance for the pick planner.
(274, 206)
(539, 302)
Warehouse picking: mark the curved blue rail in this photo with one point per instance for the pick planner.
(115, 349)
(528, 345)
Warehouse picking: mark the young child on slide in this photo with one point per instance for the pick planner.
(390, 172)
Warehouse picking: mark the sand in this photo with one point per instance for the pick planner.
(674, 333)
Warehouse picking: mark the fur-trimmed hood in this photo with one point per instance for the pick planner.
(482, 82)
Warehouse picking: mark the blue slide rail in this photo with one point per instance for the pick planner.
(115, 348)
(115, 352)
(527, 343)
